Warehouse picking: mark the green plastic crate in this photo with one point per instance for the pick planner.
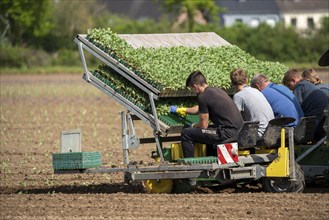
(76, 160)
(198, 160)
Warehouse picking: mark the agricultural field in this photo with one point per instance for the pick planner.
(36, 108)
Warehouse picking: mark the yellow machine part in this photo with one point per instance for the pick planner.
(263, 150)
(280, 166)
(158, 186)
(243, 152)
(177, 152)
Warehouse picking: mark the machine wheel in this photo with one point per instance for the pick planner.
(158, 186)
(182, 186)
(282, 184)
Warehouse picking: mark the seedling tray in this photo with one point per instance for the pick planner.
(76, 160)
(176, 120)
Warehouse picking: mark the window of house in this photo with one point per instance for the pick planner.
(238, 20)
(310, 23)
(254, 22)
(293, 22)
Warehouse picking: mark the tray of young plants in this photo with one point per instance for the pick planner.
(166, 68)
(139, 99)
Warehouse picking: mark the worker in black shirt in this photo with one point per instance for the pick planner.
(213, 104)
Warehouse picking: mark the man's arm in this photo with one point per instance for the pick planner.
(238, 102)
(298, 92)
(203, 121)
(193, 110)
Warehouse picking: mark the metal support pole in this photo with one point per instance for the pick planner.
(133, 140)
(291, 154)
(157, 132)
(131, 125)
(125, 132)
(83, 60)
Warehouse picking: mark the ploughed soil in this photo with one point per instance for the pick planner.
(36, 108)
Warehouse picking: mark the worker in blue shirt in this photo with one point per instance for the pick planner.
(313, 101)
(286, 92)
(281, 101)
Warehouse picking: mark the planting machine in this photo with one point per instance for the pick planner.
(282, 161)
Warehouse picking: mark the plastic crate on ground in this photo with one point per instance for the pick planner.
(76, 160)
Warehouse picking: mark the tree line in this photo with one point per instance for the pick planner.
(41, 33)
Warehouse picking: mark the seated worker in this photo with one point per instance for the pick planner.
(215, 105)
(251, 102)
(287, 92)
(312, 100)
(280, 102)
(311, 76)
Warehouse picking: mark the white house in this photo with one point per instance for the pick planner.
(249, 12)
(303, 14)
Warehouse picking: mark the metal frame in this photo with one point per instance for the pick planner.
(114, 64)
(247, 167)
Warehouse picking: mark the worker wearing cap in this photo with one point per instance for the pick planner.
(312, 100)
(215, 105)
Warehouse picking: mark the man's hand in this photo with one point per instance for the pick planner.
(180, 111)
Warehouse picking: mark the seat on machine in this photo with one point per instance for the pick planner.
(247, 136)
(272, 134)
(304, 131)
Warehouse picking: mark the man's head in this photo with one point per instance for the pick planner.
(260, 82)
(291, 78)
(238, 78)
(196, 81)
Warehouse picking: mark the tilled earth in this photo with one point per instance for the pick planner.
(35, 109)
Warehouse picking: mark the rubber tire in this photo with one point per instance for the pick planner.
(182, 186)
(283, 184)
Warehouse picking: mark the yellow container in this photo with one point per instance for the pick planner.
(200, 150)
(177, 152)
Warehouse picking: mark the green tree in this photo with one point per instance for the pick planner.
(25, 20)
(208, 8)
(72, 18)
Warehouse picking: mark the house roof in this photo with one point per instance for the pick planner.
(249, 6)
(135, 9)
(303, 5)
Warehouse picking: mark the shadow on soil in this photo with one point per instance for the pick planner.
(70, 189)
(138, 188)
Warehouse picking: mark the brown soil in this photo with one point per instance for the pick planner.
(35, 109)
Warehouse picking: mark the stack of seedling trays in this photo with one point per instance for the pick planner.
(135, 66)
(76, 160)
